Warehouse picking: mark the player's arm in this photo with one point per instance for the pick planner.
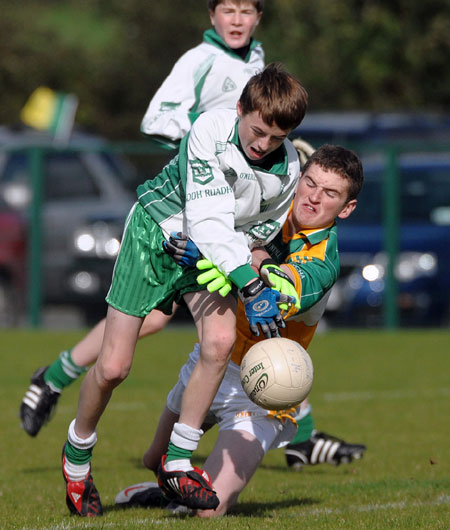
(277, 276)
(210, 201)
(168, 114)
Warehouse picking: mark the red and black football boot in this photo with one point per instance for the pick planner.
(82, 497)
(189, 488)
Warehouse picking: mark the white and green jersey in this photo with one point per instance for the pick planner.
(209, 76)
(213, 193)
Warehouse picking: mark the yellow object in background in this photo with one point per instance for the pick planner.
(51, 111)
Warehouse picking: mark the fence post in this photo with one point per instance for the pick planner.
(391, 222)
(35, 239)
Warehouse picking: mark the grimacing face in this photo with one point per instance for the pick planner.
(257, 138)
(235, 23)
(321, 196)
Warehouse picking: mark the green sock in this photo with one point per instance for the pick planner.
(177, 453)
(77, 456)
(305, 428)
(63, 371)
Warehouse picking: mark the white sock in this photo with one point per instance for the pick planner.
(185, 437)
(76, 472)
(81, 443)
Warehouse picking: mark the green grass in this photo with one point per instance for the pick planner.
(388, 390)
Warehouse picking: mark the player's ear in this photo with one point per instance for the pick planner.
(239, 108)
(347, 209)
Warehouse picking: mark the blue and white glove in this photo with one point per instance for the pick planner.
(261, 308)
(184, 251)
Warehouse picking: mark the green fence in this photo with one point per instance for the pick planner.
(391, 223)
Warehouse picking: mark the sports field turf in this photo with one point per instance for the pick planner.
(390, 391)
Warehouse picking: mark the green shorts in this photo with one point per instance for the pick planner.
(144, 276)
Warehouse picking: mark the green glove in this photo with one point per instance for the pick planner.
(215, 280)
(275, 277)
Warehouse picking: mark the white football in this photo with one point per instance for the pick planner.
(277, 373)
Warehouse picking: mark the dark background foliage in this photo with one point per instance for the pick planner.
(375, 55)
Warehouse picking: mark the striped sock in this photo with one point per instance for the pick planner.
(63, 371)
(78, 452)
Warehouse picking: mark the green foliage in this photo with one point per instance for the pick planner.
(357, 54)
(388, 390)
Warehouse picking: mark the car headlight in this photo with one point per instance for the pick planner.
(96, 240)
(409, 266)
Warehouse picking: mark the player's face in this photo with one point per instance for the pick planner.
(321, 196)
(235, 22)
(257, 138)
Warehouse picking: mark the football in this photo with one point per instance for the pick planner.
(277, 373)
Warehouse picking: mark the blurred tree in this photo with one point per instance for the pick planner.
(350, 54)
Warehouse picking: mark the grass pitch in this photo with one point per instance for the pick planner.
(388, 390)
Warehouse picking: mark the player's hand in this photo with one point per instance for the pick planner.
(261, 308)
(213, 278)
(182, 249)
(275, 277)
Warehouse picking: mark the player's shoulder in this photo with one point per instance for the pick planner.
(291, 151)
(214, 123)
(217, 116)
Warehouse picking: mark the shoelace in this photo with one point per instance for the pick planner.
(283, 415)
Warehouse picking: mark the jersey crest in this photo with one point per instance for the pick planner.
(201, 171)
(228, 85)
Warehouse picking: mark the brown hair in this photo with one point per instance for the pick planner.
(259, 4)
(278, 97)
(342, 161)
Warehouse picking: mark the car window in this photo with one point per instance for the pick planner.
(65, 175)
(424, 196)
(425, 192)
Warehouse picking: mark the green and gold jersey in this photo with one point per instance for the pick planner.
(312, 256)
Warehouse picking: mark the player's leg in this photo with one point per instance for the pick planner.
(310, 447)
(216, 321)
(158, 446)
(111, 368)
(48, 382)
(231, 464)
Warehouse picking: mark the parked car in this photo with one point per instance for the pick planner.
(368, 129)
(423, 265)
(85, 202)
(12, 265)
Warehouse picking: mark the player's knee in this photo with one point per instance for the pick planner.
(111, 373)
(219, 344)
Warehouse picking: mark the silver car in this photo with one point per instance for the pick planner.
(85, 200)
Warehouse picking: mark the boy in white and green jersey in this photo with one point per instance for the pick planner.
(210, 76)
(227, 59)
(228, 189)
